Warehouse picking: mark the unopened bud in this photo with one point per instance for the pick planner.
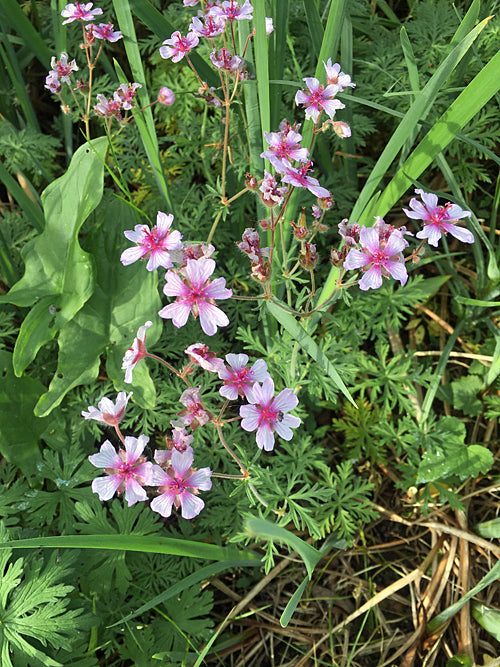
(325, 203)
(341, 129)
(250, 181)
(308, 256)
(337, 257)
(265, 224)
(166, 96)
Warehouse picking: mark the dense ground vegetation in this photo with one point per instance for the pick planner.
(366, 539)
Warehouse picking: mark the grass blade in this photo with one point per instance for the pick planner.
(11, 12)
(363, 208)
(145, 122)
(305, 341)
(470, 101)
(200, 575)
(266, 530)
(144, 544)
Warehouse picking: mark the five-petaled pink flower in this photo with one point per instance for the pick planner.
(180, 484)
(438, 220)
(194, 414)
(154, 244)
(135, 353)
(201, 355)
(105, 32)
(318, 98)
(299, 178)
(177, 46)
(127, 470)
(108, 412)
(62, 69)
(239, 380)
(378, 258)
(233, 11)
(80, 11)
(268, 414)
(285, 146)
(336, 77)
(224, 59)
(214, 25)
(195, 294)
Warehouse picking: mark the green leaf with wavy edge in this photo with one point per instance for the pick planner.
(144, 120)
(266, 530)
(200, 575)
(124, 298)
(492, 576)
(141, 543)
(55, 264)
(299, 334)
(419, 109)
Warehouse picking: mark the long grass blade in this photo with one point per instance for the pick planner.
(470, 101)
(144, 120)
(362, 209)
(11, 13)
(143, 544)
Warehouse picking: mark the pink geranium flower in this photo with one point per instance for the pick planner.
(233, 11)
(272, 194)
(180, 484)
(195, 294)
(194, 414)
(318, 98)
(285, 146)
(267, 414)
(108, 108)
(177, 46)
(336, 77)
(213, 26)
(62, 69)
(127, 470)
(107, 411)
(224, 59)
(105, 32)
(153, 244)
(438, 220)
(80, 11)
(166, 96)
(201, 355)
(378, 258)
(125, 95)
(239, 379)
(300, 179)
(135, 353)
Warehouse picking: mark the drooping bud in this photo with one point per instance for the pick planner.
(250, 181)
(166, 96)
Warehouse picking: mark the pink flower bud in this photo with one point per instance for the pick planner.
(166, 96)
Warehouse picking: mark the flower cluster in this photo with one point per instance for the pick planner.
(291, 160)
(190, 282)
(378, 250)
(122, 100)
(259, 257)
(172, 477)
(318, 98)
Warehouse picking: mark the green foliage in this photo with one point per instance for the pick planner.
(28, 151)
(34, 606)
